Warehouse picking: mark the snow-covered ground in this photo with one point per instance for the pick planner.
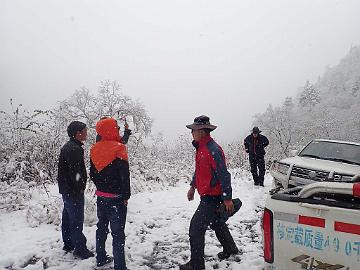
(156, 233)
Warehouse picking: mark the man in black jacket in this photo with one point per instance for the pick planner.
(255, 145)
(72, 182)
(109, 170)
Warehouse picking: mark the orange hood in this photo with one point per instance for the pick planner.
(108, 148)
(108, 129)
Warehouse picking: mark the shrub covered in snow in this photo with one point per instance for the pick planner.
(32, 141)
(44, 211)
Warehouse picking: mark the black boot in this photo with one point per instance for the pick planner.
(186, 266)
(226, 240)
(68, 248)
(84, 254)
(108, 260)
(256, 179)
(226, 254)
(261, 180)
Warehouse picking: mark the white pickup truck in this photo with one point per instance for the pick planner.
(319, 161)
(313, 227)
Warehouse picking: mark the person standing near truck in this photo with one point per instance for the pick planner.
(255, 144)
(213, 183)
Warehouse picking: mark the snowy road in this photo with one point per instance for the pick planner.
(157, 234)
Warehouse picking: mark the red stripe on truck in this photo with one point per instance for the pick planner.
(347, 227)
(312, 221)
(356, 190)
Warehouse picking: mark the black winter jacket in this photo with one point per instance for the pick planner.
(72, 174)
(260, 144)
(114, 178)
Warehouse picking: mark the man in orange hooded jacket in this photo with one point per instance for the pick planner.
(109, 170)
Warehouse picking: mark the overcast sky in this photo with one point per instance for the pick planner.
(225, 59)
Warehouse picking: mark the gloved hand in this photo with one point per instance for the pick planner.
(127, 131)
(223, 212)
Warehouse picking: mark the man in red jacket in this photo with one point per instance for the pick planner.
(213, 182)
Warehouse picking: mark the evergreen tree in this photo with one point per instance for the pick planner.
(355, 89)
(288, 104)
(309, 97)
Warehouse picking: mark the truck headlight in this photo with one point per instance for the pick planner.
(281, 167)
(343, 177)
(347, 177)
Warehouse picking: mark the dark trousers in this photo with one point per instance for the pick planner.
(72, 222)
(113, 211)
(204, 216)
(255, 163)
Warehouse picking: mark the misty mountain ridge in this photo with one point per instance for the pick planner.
(328, 109)
(342, 81)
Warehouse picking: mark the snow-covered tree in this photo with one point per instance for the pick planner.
(333, 111)
(278, 125)
(32, 141)
(309, 97)
(108, 101)
(355, 90)
(288, 104)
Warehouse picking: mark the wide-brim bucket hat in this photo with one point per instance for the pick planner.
(201, 122)
(256, 130)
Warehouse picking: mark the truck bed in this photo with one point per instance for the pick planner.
(318, 228)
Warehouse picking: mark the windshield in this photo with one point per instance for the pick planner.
(342, 152)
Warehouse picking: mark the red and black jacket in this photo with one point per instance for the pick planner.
(211, 176)
(256, 146)
(109, 166)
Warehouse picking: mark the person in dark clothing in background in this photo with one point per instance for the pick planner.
(72, 178)
(109, 170)
(255, 145)
(213, 182)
